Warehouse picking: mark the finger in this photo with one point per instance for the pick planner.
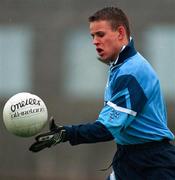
(44, 137)
(38, 146)
(52, 124)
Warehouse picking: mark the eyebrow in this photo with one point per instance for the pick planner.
(98, 33)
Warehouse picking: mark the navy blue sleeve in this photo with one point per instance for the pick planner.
(87, 133)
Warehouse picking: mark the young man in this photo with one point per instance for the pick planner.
(134, 114)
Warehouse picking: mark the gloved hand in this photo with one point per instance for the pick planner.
(56, 135)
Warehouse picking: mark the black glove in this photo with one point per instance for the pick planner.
(56, 135)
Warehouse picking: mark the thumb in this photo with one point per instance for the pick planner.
(52, 125)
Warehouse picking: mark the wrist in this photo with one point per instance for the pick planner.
(68, 133)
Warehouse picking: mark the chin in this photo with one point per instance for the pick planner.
(105, 61)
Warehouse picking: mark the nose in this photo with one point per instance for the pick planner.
(95, 41)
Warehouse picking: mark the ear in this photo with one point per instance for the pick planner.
(121, 32)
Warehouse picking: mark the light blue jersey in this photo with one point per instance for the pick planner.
(134, 110)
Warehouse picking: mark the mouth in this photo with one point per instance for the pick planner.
(99, 51)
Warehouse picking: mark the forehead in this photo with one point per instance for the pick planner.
(101, 25)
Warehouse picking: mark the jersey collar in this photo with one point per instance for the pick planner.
(125, 53)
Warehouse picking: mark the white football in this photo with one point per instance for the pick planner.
(25, 114)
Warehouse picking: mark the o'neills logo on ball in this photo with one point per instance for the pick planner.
(30, 101)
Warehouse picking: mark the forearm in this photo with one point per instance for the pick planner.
(87, 133)
(84, 133)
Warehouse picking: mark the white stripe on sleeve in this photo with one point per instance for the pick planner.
(112, 176)
(121, 109)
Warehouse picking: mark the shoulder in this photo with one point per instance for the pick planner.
(138, 67)
(134, 65)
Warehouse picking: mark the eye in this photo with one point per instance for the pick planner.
(100, 34)
(92, 35)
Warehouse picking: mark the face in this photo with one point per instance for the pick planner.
(107, 41)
